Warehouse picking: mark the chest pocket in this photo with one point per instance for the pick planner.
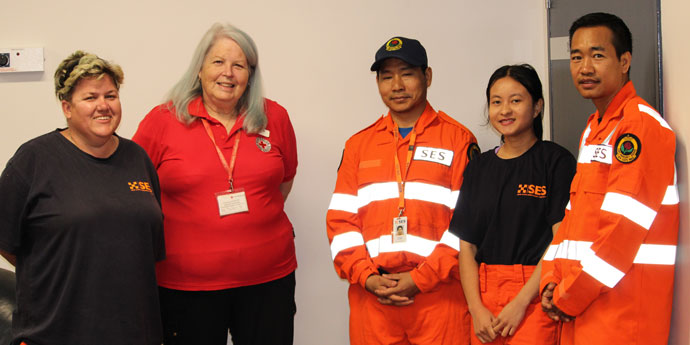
(597, 178)
(594, 178)
(375, 169)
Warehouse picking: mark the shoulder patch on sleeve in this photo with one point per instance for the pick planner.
(628, 148)
(473, 151)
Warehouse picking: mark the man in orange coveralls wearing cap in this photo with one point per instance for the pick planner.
(388, 219)
(609, 270)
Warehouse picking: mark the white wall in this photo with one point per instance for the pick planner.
(315, 56)
(676, 55)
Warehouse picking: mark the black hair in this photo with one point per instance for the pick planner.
(622, 38)
(527, 77)
(424, 67)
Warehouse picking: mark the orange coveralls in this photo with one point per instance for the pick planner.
(613, 256)
(500, 284)
(360, 221)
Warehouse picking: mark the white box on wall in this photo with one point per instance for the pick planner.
(21, 60)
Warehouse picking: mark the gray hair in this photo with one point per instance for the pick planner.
(189, 86)
(80, 65)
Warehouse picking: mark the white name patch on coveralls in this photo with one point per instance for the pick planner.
(595, 153)
(432, 154)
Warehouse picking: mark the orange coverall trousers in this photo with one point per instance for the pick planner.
(500, 284)
(439, 317)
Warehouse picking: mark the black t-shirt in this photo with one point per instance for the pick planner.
(508, 206)
(87, 233)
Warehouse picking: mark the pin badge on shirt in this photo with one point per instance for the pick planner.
(263, 144)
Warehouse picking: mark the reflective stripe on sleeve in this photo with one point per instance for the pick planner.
(572, 250)
(650, 254)
(656, 254)
(671, 196)
(567, 207)
(454, 195)
(629, 208)
(551, 252)
(344, 241)
(344, 202)
(601, 270)
(450, 240)
(645, 109)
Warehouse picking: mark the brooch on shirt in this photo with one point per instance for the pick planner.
(263, 144)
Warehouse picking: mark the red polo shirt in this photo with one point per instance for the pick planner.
(204, 250)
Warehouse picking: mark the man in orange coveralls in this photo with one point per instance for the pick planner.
(609, 270)
(397, 185)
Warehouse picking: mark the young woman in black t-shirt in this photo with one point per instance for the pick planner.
(511, 203)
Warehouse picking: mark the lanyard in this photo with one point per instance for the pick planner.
(398, 172)
(229, 168)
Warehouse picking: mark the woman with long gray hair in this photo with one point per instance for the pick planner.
(226, 157)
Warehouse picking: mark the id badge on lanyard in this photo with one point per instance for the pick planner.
(233, 200)
(399, 231)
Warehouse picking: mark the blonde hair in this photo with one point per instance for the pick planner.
(82, 65)
(189, 87)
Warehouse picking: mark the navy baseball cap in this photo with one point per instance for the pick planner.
(406, 49)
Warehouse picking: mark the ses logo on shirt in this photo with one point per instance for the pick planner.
(140, 187)
(432, 154)
(531, 190)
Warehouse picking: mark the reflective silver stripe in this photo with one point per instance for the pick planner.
(377, 192)
(582, 142)
(344, 241)
(414, 244)
(629, 208)
(671, 196)
(344, 202)
(656, 254)
(649, 254)
(600, 269)
(572, 250)
(430, 193)
(389, 190)
(450, 240)
(550, 252)
(567, 207)
(645, 109)
(454, 195)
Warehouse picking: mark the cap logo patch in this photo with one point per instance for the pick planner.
(394, 44)
(628, 148)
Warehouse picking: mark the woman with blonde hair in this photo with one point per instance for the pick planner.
(81, 221)
(226, 157)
